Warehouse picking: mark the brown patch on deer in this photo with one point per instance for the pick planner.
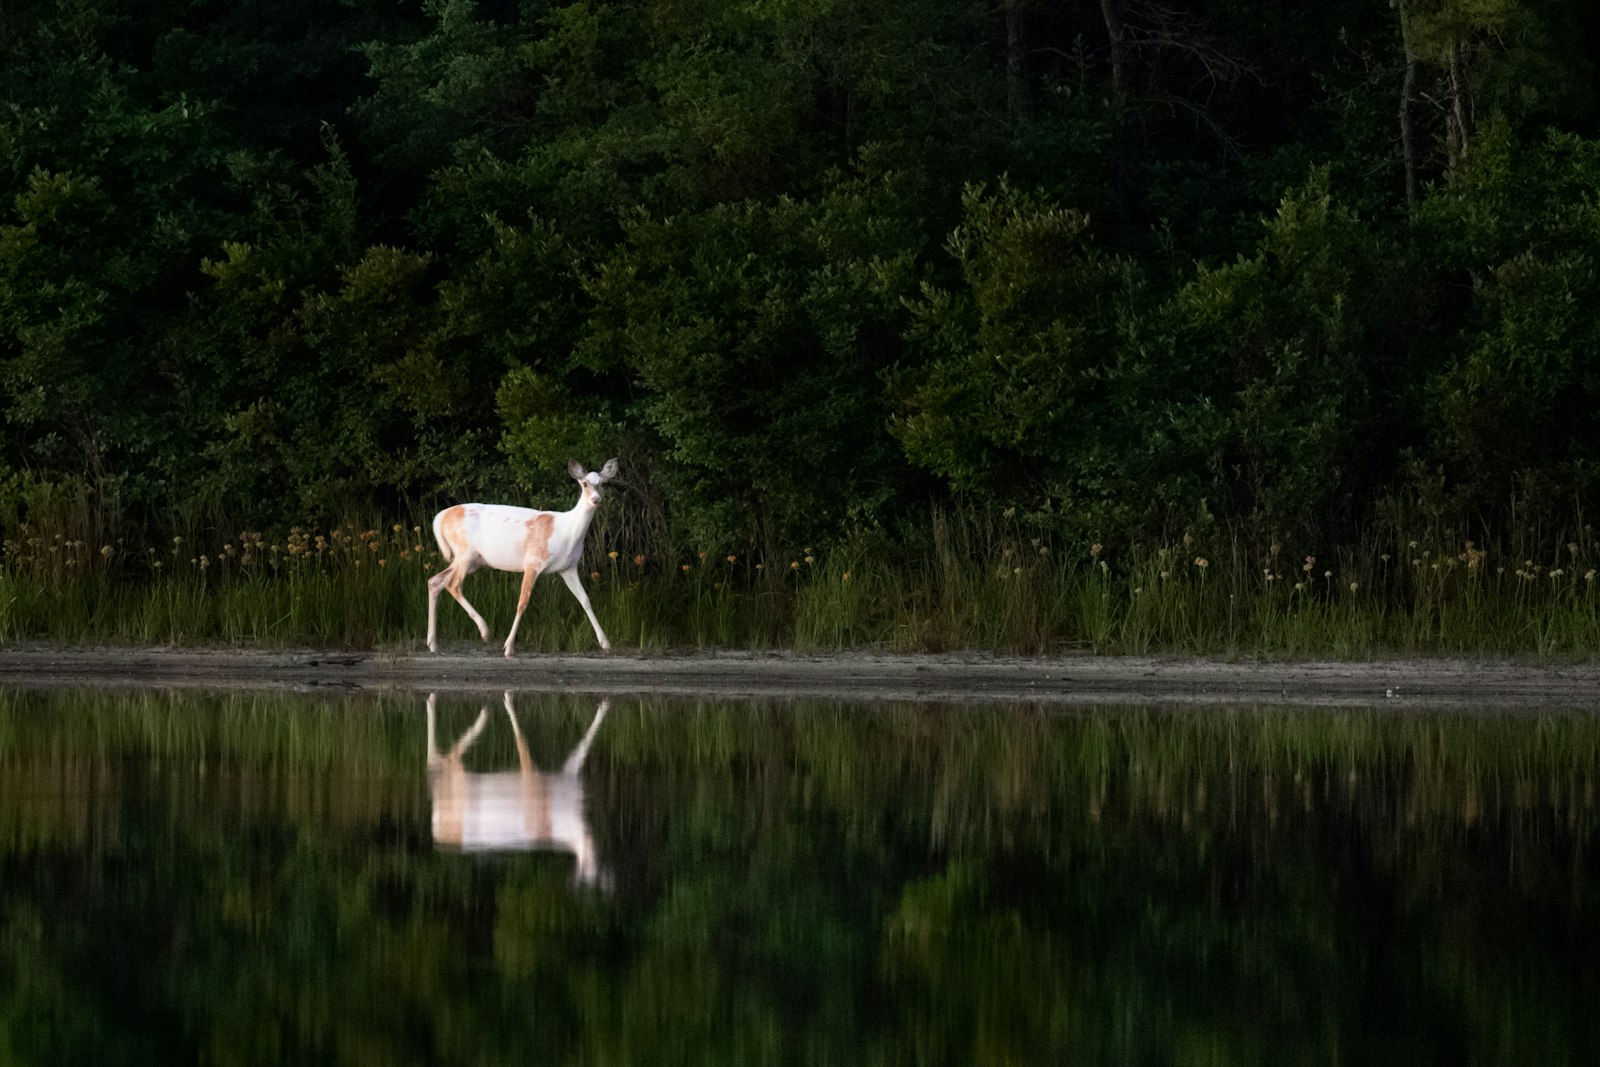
(540, 527)
(453, 531)
(535, 553)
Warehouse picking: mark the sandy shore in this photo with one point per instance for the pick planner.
(968, 678)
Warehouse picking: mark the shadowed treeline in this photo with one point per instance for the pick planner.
(1316, 276)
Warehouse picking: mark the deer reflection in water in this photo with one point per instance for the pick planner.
(513, 810)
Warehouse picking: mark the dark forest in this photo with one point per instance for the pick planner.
(1128, 267)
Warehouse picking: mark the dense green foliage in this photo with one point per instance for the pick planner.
(248, 878)
(1127, 267)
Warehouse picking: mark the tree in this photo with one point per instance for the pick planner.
(753, 334)
(1513, 408)
(1016, 384)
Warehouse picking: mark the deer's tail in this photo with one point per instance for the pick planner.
(438, 535)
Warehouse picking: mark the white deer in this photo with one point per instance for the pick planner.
(522, 809)
(516, 539)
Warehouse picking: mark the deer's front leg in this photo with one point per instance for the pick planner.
(575, 584)
(528, 576)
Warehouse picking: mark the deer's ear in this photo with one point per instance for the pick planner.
(609, 471)
(575, 469)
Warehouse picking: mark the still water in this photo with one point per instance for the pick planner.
(483, 878)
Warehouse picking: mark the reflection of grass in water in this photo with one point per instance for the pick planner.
(976, 768)
(375, 735)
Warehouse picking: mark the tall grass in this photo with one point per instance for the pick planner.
(966, 581)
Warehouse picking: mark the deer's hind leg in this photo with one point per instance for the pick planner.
(449, 580)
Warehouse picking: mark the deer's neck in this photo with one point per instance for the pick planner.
(581, 515)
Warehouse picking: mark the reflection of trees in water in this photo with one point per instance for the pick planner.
(804, 882)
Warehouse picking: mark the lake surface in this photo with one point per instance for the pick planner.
(272, 878)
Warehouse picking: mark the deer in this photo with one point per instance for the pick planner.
(513, 810)
(523, 540)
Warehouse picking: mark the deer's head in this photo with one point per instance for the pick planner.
(589, 482)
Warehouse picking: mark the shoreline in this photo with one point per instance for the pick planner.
(972, 678)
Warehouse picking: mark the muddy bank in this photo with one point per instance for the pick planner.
(966, 678)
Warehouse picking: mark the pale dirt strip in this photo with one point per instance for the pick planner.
(1072, 680)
